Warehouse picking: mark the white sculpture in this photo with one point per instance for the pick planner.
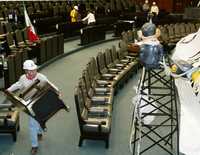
(188, 50)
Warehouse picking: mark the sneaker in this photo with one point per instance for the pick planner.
(34, 150)
(39, 137)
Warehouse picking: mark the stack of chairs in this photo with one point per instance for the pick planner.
(94, 94)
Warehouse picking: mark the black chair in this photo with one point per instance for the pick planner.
(40, 101)
(94, 126)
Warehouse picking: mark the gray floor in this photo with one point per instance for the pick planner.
(63, 130)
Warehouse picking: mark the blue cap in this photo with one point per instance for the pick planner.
(148, 29)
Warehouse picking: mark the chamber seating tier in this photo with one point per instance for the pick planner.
(101, 79)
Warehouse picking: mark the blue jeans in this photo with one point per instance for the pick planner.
(35, 129)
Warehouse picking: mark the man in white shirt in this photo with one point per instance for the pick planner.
(26, 80)
(154, 9)
(90, 18)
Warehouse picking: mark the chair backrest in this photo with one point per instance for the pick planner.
(8, 27)
(30, 10)
(101, 63)
(197, 25)
(124, 36)
(2, 31)
(10, 40)
(19, 37)
(182, 29)
(187, 28)
(86, 81)
(86, 100)
(122, 53)
(192, 27)
(171, 32)
(108, 58)
(55, 11)
(114, 54)
(177, 30)
(164, 34)
(79, 106)
(94, 68)
(123, 45)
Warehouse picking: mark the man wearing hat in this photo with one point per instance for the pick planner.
(74, 14)
(26, 80)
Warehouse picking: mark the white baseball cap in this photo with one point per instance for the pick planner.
(76, 7)
(29, 65)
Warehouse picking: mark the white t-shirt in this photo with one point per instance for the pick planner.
(154, 9)
(90, 18)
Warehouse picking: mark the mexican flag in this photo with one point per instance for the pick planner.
(32, 36)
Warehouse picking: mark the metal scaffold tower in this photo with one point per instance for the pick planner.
(155, 117)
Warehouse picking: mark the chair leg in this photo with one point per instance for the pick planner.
(18, 128)
(80, 142)
(107, 143)
(14, 134)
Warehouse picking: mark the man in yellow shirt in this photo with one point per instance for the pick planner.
(74, 14)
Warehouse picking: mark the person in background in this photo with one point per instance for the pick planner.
(90, 18)
(26, 80)
(74, 14)
(154, 9)
(146, 8)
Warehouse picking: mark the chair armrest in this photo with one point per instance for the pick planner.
(113, 70)
(119, 65)
(102, 82)
(99, 99)
(102, 90)
(95, 122)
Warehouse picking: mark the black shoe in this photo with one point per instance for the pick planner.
(34, 150)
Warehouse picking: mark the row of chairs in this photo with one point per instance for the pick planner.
(172, 33)
(169, 34)
(101, 79)
(17, 40)
(14, 11)
(35, 9)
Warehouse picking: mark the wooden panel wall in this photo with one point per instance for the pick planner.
(172, 5)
